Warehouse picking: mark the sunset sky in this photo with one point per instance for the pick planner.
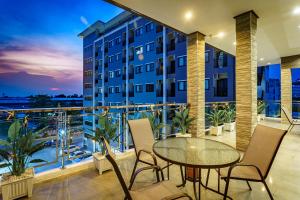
(40, 52)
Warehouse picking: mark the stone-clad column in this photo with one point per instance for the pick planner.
(286, 82)
(246, 78)
(195, 81)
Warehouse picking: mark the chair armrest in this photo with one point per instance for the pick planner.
(154, 167)
(244, 165)
(177, 196)
(148, 152)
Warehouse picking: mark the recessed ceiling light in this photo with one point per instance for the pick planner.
(296, 11)
(268, 63)
(299, 26)
(234, 43)
(221, 35)
(188, 15)
(261, 59)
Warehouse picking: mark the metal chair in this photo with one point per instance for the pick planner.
(290, 119)
(163, 190)
(257, 160)
(143, 140)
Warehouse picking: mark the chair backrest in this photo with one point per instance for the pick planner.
(287, 114)
(110, 157)
(263, 147)
(142, 134)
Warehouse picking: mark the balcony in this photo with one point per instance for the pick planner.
(159, 49)
(159, 28)
(171, 68)
(159, 93)
(159, 71)
(74, 118)
(131, 40)
(171, 46)
(106, 65)
(131, 57)
(131, 75)
(131, 93)
(123, 59)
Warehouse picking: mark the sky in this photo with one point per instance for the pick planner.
(40, 52)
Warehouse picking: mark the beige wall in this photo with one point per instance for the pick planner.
(195, 82)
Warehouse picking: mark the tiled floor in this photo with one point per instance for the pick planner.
(283, 180)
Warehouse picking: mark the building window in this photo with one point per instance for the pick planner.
(100, 90)
(139, 31)
(150, 46)
(111, 74)
(220, 59)
(138, 88)
(149, 87)
(118, 56)
(111, 90)
(207, 84)
(149, 27)
(139, 50)
(118, 40)
(88, 98)
(118, 73)
(138, 69)
(88, 73)
(206, 56)
(110, 59)
(100, 76)
(181, 85)
(149, 67)
(221, 87)
(88, 85)
(117, 89)
(110, 43)
(181, 61)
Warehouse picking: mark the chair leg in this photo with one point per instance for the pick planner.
(133, 171)
(292, 126)
(268, 190)
(249, 186)
(168, 171)
(207, 177)
(219, 177)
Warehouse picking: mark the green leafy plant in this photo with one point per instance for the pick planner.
(155, 123)
(182, 121)
(106, 128)
(215, 116)
(260, 107)
(229, 113)
(19, 147)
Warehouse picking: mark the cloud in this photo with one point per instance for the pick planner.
(84, 20)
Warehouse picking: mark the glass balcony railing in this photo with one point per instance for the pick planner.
(67, 132)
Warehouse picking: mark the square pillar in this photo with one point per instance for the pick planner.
(246, 78)
(287, 63)
(196, 81)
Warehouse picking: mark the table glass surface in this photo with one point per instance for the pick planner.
(197, 152)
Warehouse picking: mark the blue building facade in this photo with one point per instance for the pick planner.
(132, 60)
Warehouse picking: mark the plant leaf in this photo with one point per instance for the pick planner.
(3, 165)
(14, 129)
(37, 160)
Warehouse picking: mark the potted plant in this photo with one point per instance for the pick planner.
(215, 116)
(260, 109)
(229, 118)
(181, 121)
(155, 123)
(17, 151)
(105, 129)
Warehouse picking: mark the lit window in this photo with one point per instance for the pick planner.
(117, 89)
(111, 74)
(149, 67)
(118, 73)
(110, 59)
(181, 61)
(150, 46)
(181, 85)
(111, 90)
(207, 84)
(139, 31)
(139, 88)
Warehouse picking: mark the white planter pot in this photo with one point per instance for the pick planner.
(187, 135)
(260, 117)
(229, 127)
(14, 187)
(216, 130)
(101, 163)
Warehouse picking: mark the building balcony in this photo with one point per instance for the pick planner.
(131, 75)
(159, 49)
(123, 59)
(159, 28)
(131, 57)
(106, 65)
(131, 93)
(159, 71)
(171, 46)
(131, 40)
(159, 93)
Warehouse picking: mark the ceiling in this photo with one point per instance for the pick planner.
(278, 27)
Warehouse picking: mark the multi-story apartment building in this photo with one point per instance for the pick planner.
(132, 60)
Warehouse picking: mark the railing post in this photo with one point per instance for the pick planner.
(124, 138)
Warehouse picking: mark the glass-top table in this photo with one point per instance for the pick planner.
(196, 153)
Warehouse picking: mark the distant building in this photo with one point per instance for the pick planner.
(131, 60)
